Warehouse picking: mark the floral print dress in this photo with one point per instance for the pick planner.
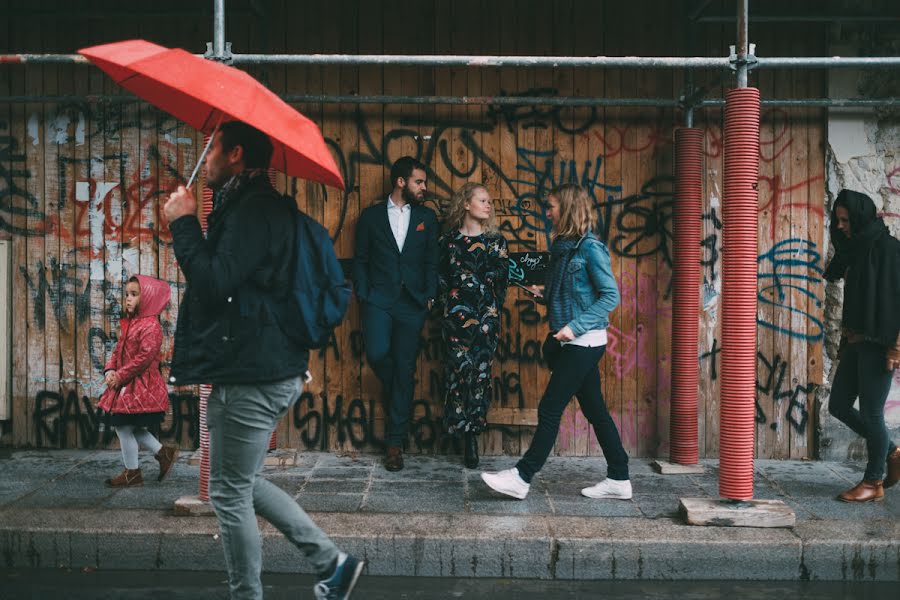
(473, 274)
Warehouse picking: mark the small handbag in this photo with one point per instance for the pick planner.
(552, 347)
(550, 350)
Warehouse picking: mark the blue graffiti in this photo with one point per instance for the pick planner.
(776, 269)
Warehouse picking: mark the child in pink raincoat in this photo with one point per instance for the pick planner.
(136, 395)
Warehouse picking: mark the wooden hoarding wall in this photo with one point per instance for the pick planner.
(83, 184)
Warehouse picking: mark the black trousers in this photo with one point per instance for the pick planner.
(862, 373)
(576, 374)
(392, 343)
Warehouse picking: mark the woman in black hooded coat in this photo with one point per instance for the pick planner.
(867, 257)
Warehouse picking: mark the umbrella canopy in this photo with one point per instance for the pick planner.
(204, 93)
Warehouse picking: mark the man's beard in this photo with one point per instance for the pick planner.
(408, 196)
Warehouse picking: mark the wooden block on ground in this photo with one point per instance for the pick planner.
(670, 468)
(727, 513)
(194, 458)
(193, 506)
(281, 457)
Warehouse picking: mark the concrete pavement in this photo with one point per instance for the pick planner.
(436, 518)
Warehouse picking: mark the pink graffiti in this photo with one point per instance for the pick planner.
(621, 351)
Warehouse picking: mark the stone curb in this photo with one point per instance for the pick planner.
(454, 545)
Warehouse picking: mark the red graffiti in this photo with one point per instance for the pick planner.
(893, 180)
(779, 198)
(615, 141)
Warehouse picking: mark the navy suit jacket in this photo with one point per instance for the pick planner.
(381, 271)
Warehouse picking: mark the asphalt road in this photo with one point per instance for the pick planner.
(63, 584)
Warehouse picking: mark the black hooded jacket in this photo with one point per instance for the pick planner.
(869, 260)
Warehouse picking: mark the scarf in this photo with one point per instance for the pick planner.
(869, 260)
(561, 308)
(234, 186)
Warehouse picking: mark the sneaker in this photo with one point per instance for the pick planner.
(507, 482)
(609, 488)
(341, 583)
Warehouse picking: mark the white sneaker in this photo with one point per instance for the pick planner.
(609, 488)
(507, 482)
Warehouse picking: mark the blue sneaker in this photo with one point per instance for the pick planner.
(341, 583)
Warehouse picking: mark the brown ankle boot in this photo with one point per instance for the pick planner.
(867, 490)
(127, 478)
(893, 468)
(166, 457)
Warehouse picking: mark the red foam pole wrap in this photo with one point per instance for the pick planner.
(205, 389)
(683, 446)
(737, 423)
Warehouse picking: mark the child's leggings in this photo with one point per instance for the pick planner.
(129, 439)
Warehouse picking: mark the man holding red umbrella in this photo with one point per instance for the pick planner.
(228, 334)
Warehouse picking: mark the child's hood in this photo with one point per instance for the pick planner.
(155, 294)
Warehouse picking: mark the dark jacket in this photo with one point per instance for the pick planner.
(381, 271)
(238, 286)
(589, 286)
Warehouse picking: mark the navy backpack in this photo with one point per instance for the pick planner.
(319, 288)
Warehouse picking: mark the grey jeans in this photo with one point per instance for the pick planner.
(240, 419)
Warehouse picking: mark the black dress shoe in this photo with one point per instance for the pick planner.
(394, 459)
(471, 450)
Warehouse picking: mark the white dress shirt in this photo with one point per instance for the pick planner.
(399, 218)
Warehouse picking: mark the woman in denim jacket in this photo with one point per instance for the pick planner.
(580, 293)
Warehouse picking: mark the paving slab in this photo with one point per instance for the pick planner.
(436, 518)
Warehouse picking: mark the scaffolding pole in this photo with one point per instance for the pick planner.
(603, 62)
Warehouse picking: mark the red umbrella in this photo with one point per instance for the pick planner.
(204, 93)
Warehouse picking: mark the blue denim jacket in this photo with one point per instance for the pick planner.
(593, 286)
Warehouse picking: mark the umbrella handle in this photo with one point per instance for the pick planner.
(212, 136)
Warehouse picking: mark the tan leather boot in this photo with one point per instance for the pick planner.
(893, 468)
(127, 478)
(166, 457)
(867, 490)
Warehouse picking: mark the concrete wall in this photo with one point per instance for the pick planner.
(863, 154)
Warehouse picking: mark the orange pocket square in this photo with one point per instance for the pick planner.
(420, 227)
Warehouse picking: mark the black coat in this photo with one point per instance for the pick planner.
(238, 282)
(381, 271)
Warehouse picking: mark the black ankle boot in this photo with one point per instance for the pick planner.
(471, 450)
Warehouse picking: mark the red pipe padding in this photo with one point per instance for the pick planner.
(205, 389)
(683, 446)
(737, 423)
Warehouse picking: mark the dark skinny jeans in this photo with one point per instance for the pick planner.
(576, 374)
(862, 373)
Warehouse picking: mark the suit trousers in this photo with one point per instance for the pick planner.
(392, 344)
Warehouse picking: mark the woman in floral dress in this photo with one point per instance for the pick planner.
(473, 272)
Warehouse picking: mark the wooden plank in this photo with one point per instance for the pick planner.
(514, 416)
(620, 341)
(721, 513)
(781, 222)
(492, 146)
(566, 169)
(331, 129)
(349, 143)
(373, 184)
(712, 331)
(589, 41)
(70, 168)
(530, 40)
(21, 203)
(796, 411)
(663, 150)
(507, 158)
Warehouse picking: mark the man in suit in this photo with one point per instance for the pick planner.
(395, 277)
